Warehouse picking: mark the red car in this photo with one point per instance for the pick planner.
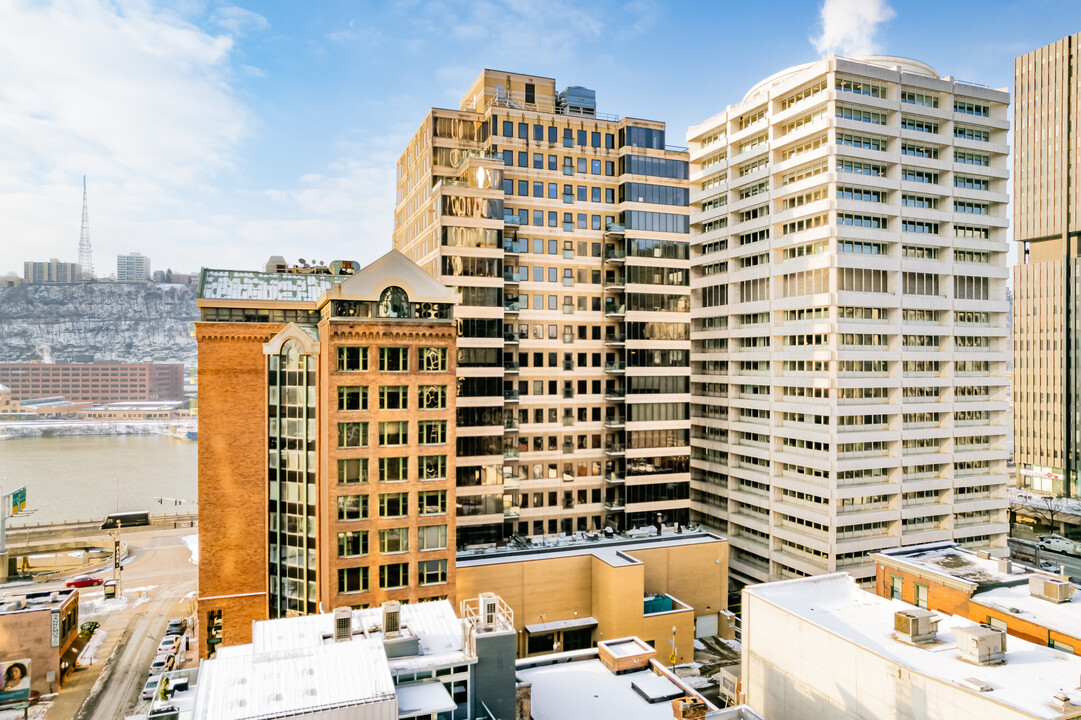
(84, 581)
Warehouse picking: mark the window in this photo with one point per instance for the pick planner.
(352, 543)
(921, 595)
(352, 471)
(393, 504)
(432, 467)
(432, 397)
(352, 507)
(432, 432)
(896, 587)
(394, 359)
(352, 434)
(432, 502)
(352, 580)
(394, 540)
(352, 359)
(432, 537)
(395, 575)
(433, 359)
(394, 397)
(353, 397)
(432, 572)
(393, 469)
(394, 433)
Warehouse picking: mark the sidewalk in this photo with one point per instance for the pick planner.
(80, 682)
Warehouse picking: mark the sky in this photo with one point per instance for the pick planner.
(215, 134)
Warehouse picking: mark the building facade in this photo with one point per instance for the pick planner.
(40, 632)
(849, 311)
(52, 271)
(563, 234)
(1047, 226)
(326, 440)
(133, 268)
(94, 382)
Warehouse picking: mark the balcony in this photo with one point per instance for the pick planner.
(568, 393)
(510, 453)
(514, 247)
(616, 368)
(511, 307)
(615, 449)
(514, 220)
(614, 505)
(614, 229)
(615, 311)
(510, 366)
(568, 365)
(511, 395)
(510, 423)
(615, 339)
(568, 420)
(510, 276)
(568, 448)
(614, 421)
(510, 512)
(511, 337)
(615, 394)
(614, 282)
(614, 478)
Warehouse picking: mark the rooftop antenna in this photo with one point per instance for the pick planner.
(85, 258)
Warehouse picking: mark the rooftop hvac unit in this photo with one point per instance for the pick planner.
(915, 626)
(343, 624)
(1054, 589)
(392, 618)
(981, 645)
(1005, 565)
(489, 607)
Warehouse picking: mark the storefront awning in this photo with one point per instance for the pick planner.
(561, 625)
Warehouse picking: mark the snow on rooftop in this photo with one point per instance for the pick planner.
(1018, 601)
(956, 562)
(1031, 676)
(289, 682)
(254, 285)
(587, 689)
(612, 551)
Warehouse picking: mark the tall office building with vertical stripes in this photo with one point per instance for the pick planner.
(564, 233)
(848, 279)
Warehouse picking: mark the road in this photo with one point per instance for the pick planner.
(160, 562)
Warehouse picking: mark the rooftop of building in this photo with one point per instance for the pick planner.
(611, 550)
(141, 405)
(1028, 680)
(579, 684)
(949, 561)
(45, 600)
(260, 285)
(54, 402)
(1018, 601)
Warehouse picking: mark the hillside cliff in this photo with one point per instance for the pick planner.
(85, 322)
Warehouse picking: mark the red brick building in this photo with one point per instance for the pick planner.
(94, 382)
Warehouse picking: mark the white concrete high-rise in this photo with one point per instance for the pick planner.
(132, 268)
(849, 306)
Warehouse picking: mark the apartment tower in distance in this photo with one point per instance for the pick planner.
(1047, 226)
(326, 442)
(564, 235)
(849, 349)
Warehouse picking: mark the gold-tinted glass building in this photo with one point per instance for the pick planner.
(1047, 226)
(563, 233)
(326, 443)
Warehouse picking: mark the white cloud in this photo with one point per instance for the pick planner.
(849, 26)
(136, 98)
(238, 21)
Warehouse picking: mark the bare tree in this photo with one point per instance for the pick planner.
(1047, 507)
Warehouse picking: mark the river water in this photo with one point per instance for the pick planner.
(87, 477)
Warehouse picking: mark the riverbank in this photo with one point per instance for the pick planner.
(74, 428)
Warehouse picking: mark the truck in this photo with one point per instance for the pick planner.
(1059, 544)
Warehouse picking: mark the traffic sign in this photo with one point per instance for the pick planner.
(18, 501)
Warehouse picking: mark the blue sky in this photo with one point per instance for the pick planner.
(218, 134)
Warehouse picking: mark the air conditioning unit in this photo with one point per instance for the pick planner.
(981, 645)
(489, 608)
(1053, 589)
(915, 626)
(392, 618)
(343, 624)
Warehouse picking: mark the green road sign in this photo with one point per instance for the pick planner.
(18, 501)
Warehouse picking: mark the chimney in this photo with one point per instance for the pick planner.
(1005, 566)
(343, 624)
(688, 708)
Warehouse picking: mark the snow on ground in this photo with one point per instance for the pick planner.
(696, 682)
(36, 712)
(192, 541)
(699, 645)
(94, 604)
(89, 654)
(734, 644)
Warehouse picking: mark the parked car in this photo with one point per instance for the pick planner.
(162, 663)
(169, 644)
(84, 581)
(167, 712)
(150, 687)
(177, 626)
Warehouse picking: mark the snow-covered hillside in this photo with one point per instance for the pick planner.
(85, 322)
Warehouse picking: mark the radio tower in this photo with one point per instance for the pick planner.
(85, 258)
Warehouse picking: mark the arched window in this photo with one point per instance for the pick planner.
(290, 355)
(393, 302)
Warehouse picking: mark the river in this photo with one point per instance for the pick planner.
(87, 477)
